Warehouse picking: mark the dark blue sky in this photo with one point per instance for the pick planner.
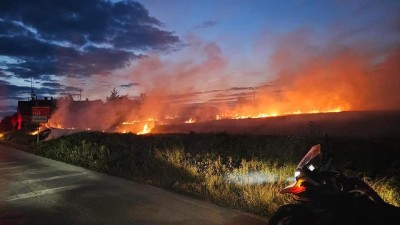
(152, 45)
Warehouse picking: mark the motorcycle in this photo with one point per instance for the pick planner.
(326, 197)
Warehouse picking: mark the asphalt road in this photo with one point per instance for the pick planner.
(36, 190)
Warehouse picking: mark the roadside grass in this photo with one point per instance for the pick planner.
(244, 172)
(387, 188)
(251, 185)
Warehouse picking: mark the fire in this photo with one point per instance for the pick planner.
(191, 120)
(238, 116)
(42, 127)
(34, 132)
(130, 122)
(145, 126)
(137, 126)
(145, 130)
(305, 79)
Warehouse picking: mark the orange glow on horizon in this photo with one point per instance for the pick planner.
(146, 126)
(238, 116)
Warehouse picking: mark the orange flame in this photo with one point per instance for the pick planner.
(133, 126)
(191, 120)
(238, 116)
(145, 130)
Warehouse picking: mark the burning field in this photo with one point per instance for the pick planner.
(307, 81)
(344, 124)
(219, 101)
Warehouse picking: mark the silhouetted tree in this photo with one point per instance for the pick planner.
(114, 95)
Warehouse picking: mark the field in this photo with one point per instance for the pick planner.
(343, 124)
(245, 171)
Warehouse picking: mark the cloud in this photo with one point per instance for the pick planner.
(74, 38)
(129, 85)
(206, 24)
(15, 92)
(10, 91)
(242, 88)
(52, 84)
(7, 110)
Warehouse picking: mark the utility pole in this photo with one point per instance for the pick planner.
(32, 93)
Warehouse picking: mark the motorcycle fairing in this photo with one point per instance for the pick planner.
(311, 154)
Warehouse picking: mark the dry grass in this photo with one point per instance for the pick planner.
(252, 185)
(387, 189)
(238, 171)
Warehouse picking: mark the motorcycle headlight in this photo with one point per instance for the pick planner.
(311, 167)
(297, 173)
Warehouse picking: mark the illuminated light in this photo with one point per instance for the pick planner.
(251, 178)
(1, 135)
(296, 173)
(291, 179)
(311, 167)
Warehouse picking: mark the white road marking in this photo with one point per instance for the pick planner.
(47, 178)
(11, 167)
(7, 176)
(42, 192)
(7, 163)
(31, 172)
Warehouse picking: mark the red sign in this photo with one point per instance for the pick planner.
(40, 114)
(41, 111)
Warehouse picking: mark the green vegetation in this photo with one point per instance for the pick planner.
(19, 139)
(240, 171)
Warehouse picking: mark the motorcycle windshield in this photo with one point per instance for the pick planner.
(311, 154)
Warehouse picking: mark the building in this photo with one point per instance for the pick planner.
(24, 108)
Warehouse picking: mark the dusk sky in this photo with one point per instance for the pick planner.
(186, 46)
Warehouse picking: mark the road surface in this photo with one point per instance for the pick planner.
(36, 190)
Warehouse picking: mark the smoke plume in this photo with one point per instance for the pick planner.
(334, 76)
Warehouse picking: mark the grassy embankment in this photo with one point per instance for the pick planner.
(239, 171)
